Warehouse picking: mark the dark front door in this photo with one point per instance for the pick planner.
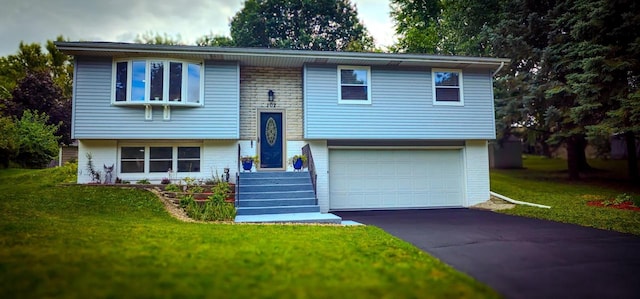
(271, 140)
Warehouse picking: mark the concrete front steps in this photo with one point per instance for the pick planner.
(279, 197)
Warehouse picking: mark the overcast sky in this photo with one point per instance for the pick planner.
(121, 20)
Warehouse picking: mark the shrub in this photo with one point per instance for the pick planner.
(621, 198)
(218, 211)
(8, 140)
(121, 181)
(143, 182)
(68, 173)
(195, 189)
(193, 209)
(93, 173)
(165, 181)
(186, 200)
(215, 209)
(220, 192)
(37, 142)
(172, 188)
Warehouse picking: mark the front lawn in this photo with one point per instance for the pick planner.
(89, 242)
(545, 181)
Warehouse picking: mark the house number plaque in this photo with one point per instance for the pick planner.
(271, 105)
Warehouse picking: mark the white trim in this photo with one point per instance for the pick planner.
(518, 202)
(237, 100)
(166, 62)
(147, 145)
(304, 102)
(74, 96)
(166, 115)
(148, 112)
(399, 147)
(465, 177)
(368, 85)
(493, 108)
(383, 58)
(459, 87)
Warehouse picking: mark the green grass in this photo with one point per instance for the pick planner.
(91, 242)
(545, 181)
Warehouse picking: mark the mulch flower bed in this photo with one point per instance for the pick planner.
(627, 205)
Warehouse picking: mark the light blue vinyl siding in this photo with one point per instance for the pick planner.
(401, 107)
(96, 118)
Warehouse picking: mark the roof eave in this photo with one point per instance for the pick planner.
(119, 49)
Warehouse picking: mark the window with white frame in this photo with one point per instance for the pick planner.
(147, 81)
(188, 158)
(354, 85)
(132, 159)
(447, 87)
(159, 159)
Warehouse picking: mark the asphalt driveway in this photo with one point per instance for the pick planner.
(520, 257)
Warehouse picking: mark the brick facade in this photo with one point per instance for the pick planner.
(255, 83)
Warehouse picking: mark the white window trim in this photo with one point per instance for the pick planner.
(174, 162)
(353, 67)
(165, 102)
(460, 87)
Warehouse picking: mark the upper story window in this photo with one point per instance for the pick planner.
(354, 85)
(447, 87)
(149, 81)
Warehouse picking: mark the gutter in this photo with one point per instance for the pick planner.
(129, 48)
(499, 68)
(518, 202)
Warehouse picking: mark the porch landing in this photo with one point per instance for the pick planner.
(316, 217)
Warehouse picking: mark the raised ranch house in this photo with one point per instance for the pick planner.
(385, 131)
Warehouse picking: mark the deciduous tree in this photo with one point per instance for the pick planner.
(311, 25)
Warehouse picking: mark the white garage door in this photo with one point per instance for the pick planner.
(395, 179)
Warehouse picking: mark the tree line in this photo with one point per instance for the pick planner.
(574, 72)
(573, 77)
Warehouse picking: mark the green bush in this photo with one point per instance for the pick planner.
(186, 200)
(195, 189)
(37, 142)
(218, 211)
(193, 209)
(8, 141)
(143, 182)
(67, 173)
(220, 192)
(214, 209)
(172, 188)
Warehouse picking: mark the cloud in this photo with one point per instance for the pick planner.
(122, 20)
(375, 15)
(117, 20)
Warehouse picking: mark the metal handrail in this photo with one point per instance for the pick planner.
(238, 178)
(306, 150)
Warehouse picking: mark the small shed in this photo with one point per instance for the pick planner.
(68, 153)
(507, 154)
(619, 147)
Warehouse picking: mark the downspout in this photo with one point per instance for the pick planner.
(499, 68)
(60, 156)
(518, 202)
